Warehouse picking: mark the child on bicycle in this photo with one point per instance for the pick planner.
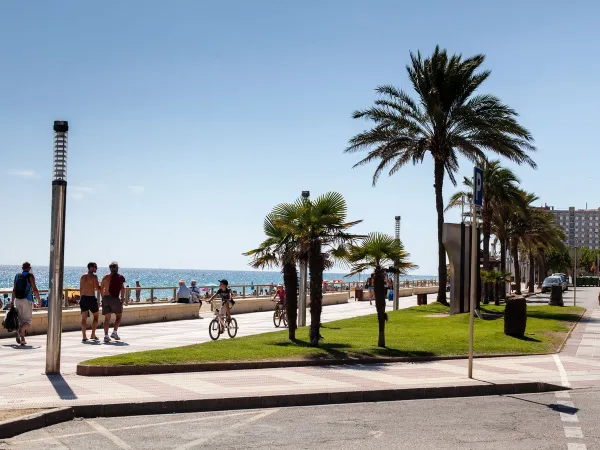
(224, 294)
(281, 294)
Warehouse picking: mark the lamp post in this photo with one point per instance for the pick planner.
(396, 274)
(303, 279)
(57, 246)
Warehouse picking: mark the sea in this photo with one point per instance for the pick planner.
(170, 277)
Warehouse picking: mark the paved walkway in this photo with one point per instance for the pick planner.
(22, 384)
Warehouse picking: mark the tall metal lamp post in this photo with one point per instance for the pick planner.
(303, 280)
(57, 246)
(396, 274)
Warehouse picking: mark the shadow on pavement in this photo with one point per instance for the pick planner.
(61, 387)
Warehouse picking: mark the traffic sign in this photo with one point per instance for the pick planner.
(478, 186)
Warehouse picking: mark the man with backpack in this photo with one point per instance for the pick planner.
(24, 290)
(113, 296)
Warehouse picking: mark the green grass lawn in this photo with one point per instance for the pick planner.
(409, 332)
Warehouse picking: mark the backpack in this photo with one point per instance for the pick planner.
(22, 285)
(11, 320)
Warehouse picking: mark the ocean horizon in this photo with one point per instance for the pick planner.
(170, 277)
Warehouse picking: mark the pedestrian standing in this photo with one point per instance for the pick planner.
(24, 290)
(138, 291)
(113, 296)
(88, 287)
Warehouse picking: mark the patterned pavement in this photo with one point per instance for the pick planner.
(23, 384)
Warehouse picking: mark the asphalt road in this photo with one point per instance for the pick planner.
(525, 422)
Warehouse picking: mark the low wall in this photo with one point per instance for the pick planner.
(425, 290)
(158, 312)
(132, 315)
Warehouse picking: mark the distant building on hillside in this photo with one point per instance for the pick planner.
(580, 225)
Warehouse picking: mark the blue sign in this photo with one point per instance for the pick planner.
(478, 186)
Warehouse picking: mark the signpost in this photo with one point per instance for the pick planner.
(477, 203)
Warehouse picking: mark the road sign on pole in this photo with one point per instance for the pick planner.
(477, 203)
(478, 186)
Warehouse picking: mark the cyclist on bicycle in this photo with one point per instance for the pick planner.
(281, 294)
(227, 301)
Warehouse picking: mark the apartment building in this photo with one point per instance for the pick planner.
(582, 226)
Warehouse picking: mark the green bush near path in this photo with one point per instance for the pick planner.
(418, 331)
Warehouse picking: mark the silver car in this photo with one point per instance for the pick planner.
(552, 281)
(565, 280)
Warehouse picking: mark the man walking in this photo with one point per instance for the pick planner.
(113, 296)
(24, 289)
(88, 286)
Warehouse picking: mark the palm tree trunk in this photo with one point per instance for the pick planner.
(439, 203)
(290, 281)
(315, 268)
(514, 250)
(379, 288)
(541, 270)
(502, 295)
(531, 289)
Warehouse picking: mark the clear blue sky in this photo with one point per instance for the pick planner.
(191, 119)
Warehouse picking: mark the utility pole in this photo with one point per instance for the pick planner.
(575, 280)
(397, 275)
(303, 281)
(57, 246)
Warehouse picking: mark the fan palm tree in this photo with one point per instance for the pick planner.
(320, 230)
(501, 187)
(446, 120)
(280, 250)
(373, 253)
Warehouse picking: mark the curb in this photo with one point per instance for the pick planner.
(570, 332)
(19, 425)
(32, 422)
(157, 369)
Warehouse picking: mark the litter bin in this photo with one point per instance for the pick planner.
(515, 317)
(421, 299)
(556, 297)
(358, 295)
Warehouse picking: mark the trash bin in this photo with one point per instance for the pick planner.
(515, 317)
(421, 299)
(556, 297)
(358, 295)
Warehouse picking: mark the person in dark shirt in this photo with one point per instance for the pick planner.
(224, 293)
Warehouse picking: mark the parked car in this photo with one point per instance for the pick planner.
(565, 280)
(552, 281)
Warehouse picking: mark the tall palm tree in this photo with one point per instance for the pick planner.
(501, 188)
(320, 229)
(280, 249)
(519, 224)
(373, 253)
(447, 120)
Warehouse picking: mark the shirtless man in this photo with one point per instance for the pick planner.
(88, 286)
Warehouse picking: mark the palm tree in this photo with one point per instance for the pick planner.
(372, 253)
(501, 187)
(447, 120)
(320, 230)
(280, 249)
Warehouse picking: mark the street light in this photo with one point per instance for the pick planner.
(396, 274)
(57, 246)
(303, 279)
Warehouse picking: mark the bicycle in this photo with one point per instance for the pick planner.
(219, 323)
(280, 315)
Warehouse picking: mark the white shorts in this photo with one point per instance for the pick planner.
(24, 310)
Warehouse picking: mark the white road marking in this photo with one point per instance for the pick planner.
(573, 432)
(146, 425)
(222, 430)
(568, 417)
(107, 434)
(561, 370)
(576, 447)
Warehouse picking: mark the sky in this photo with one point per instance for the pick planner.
(189, 122)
